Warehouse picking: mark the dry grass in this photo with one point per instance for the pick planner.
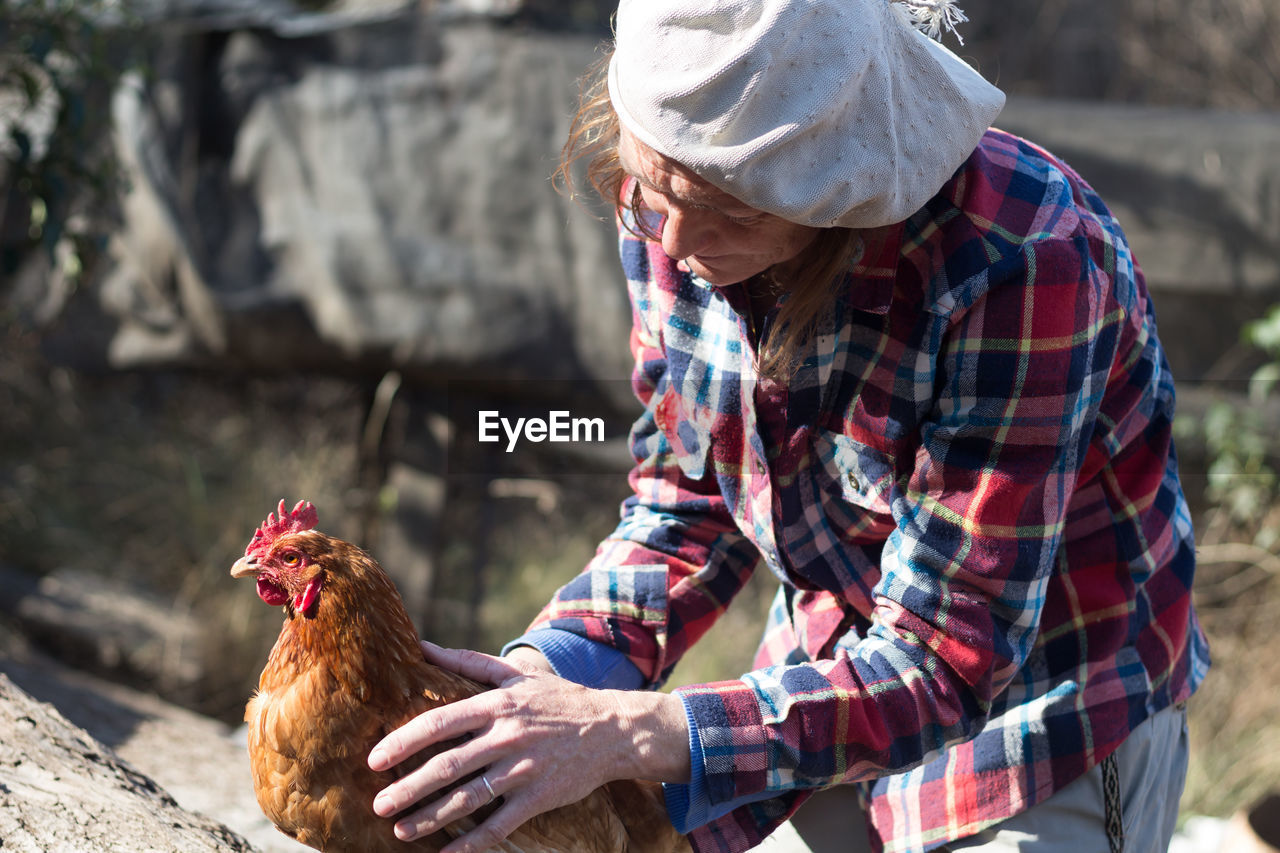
(158, 480)
(1234, 728)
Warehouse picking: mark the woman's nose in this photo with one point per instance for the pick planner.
(684, 233)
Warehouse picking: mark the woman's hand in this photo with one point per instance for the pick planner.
(541, 742)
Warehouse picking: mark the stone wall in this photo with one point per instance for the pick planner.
(370, 188)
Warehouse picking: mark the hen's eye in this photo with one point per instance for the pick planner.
(291, 559)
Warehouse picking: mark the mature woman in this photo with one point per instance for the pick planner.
(907, 364)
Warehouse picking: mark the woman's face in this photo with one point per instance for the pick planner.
(716, 236)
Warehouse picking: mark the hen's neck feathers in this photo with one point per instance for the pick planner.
(359, 631)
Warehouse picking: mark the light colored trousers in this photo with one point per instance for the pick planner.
(1152, 763)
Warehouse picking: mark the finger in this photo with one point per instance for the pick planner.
(529, 659)
(438, 724)
(475, 665)
(454, 805)
(440, 771)
(489, 834)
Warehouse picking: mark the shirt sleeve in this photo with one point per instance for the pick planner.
(688, 805)
(581, 661)
(677, 557)
(1022, 363)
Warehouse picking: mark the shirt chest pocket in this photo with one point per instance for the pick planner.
(854, 473)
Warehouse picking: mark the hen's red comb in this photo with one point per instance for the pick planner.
(302, 517)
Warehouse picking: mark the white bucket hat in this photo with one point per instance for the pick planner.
(822, 112)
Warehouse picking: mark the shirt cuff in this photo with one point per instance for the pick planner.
(687, 805)
(582, 661)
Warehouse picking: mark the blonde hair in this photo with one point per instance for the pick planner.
(593, 140)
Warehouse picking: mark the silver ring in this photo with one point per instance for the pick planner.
(492, 794)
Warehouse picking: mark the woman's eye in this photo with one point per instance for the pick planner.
(653, 201)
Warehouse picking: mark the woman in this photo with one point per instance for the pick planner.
(908, 364)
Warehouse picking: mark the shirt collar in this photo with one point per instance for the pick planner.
(874, 272)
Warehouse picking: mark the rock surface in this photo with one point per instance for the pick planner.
(369, 190)
(62, 790)
(157, 758)
(104, 626)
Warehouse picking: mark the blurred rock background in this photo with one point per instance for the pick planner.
(264, 250)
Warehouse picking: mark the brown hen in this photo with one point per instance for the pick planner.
(347, 670)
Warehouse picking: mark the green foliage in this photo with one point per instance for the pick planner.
(1242, 477)
(1243, 473)
(59, 61)
(1265, 335)
(1243, 480)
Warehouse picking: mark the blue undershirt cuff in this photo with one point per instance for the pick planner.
(582, 661)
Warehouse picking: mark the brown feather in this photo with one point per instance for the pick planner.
(350, 670)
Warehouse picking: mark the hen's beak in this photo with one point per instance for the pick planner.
(244, 566)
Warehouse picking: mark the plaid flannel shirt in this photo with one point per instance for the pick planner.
(968, 490)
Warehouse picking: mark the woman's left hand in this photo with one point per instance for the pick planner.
(541, 742)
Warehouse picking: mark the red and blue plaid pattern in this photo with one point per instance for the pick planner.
(968, 490)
